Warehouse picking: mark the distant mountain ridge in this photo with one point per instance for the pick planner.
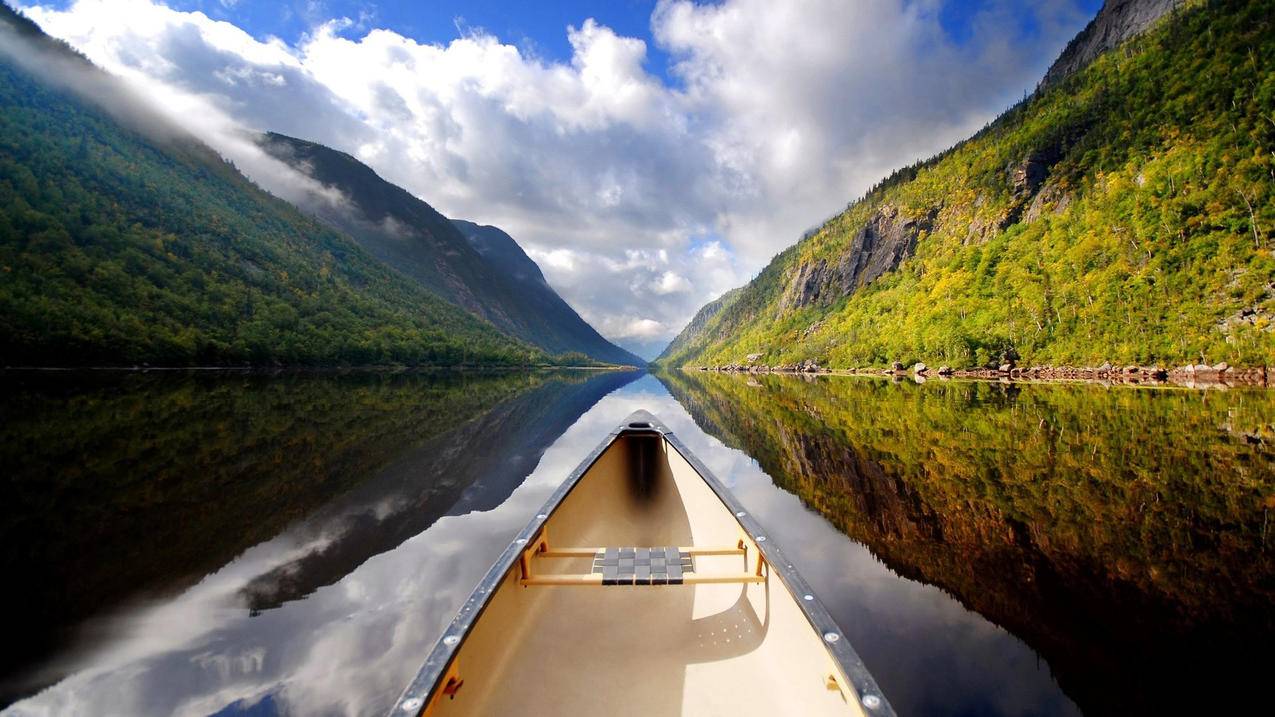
(479, 268)
(1123, 213)
(502, 251)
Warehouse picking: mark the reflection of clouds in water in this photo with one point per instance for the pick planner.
(351, 647)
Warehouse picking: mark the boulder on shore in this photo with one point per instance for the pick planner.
(945, 370)
(896, 366)
(920, 369)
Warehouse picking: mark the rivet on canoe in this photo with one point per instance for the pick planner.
(450, 640)
(761, 538)
(740, 514)
(808, 597)
(412, 704)
(871, 701)
(541, 516)
(521, 541)
(831, 636)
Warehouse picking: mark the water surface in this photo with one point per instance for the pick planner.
(294, 544)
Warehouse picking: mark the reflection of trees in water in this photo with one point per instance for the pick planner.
(119, 485)
(1122, 533)
(474, 466)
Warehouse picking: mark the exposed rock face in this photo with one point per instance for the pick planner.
(1027, 176)
(1118, 21)
(1050, 194)
(881, 245)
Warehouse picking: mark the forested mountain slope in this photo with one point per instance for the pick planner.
(559, 327)
(1123, 213)
(480, 269)
(124, 240)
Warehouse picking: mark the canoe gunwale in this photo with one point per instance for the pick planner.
(417, 694)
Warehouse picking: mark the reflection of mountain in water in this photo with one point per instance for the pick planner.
(125, 486)
(1122, 534)
(475, 466)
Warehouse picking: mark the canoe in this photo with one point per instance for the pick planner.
(642, 587)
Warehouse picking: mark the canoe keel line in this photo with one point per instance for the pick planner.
(701, 615)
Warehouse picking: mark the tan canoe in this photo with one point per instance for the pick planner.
(642, 588)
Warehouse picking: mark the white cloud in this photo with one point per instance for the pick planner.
(671, 283)
(608, 175)
(562, 260)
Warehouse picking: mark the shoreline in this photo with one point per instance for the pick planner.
(305, 369)
(1190, 376)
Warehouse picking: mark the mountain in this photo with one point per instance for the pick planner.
(480, 269)
(684, 340)
(1124, 212)
(1118, 21)
(125, 240)
(563, 329)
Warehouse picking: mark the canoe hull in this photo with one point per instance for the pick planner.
(712, 618)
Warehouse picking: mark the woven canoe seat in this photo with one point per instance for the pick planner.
(642, 566)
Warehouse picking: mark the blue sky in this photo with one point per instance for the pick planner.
(536, 27)
(650, 158)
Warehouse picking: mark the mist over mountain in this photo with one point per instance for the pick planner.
(479, 268)
(125, 240)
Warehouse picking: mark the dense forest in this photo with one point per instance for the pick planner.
(1124, 213)
(123, 240)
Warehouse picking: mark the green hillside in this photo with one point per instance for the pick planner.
(123, 240)
(478, 268)
(1124, 213)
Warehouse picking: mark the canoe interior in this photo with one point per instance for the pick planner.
(730, 648)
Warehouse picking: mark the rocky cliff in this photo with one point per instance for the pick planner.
(886, 239)
(1118, 21)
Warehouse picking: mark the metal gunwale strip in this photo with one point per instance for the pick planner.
(852, 667)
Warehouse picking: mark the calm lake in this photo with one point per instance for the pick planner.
(248, 543)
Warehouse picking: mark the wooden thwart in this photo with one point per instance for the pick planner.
(687, 579)
(590, 552)
(538, 547)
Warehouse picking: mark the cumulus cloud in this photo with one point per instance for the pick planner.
(612, 177)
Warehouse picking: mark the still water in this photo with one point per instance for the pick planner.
(227, 544)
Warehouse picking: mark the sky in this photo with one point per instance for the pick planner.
(649, 155)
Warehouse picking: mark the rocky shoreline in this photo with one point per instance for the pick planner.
(1220, 374)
